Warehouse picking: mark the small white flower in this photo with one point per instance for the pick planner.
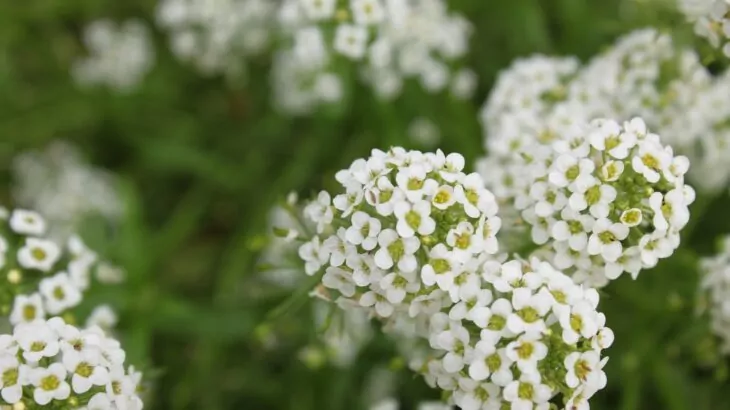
(397, 251)
(27, 222)
(578, 320)
(573, 228)
(414, 218)
(351, 40)
(464, 241)
(12, 375)
(651, 160)
(59, 293)
(26, 309)
(440, 268)
(339, 279)
(632, 217)
(364, 231)
(319, 9)
(598, 198)
(367, 12)
(526, 352)
(37, 340)
(86, 370)
(527, 392)
(475, 199)
(585, 368)
(530, 309)
(314, 255)
(103, 316)
(50, 383)
(606, 239)
(670, 208)
(444, 197)
(38, 254)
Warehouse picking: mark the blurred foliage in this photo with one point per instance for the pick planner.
(203, 160)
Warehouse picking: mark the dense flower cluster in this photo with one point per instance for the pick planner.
(119, 56)
(43, 279)
(715, 287)
(644, 74)
(711, 20)
(216, 36)
(527, 335)
(606, 199)
(412, 241)
(391, 40)
(53, 364)
(60, 185)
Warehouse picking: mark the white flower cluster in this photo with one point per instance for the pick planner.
(392, 40)
(715, 286)
(605, 199)
(411, 240)
(528, 335)
(119, 56)
(43, 278)
(59, 184)
(216, 36)
(711, 20)
(51, 364)
(643, 75)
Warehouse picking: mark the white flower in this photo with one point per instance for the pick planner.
(319, 9)
(50, 383)
(37, 340)
(103, 316)
(574, 173)
(59, 293)
(27, 222)
(366, 12)
(670, 208)
(364, 231)
(351, 40)
(579, 320)
(314, 255)
(527, 392)
(12, 375)
(475, 199)
(597, 197)
(320, 211)
(606, 239)
(398, 251)
(86, 370)
(651, 160)
(530, 309)
(414, 218)
(38, 254)
(444, 197)
(526, 352)
(573, 228)
(585, 368)
(27, 309)
(464, 241)
(339, 279)
(440, 268)
(397, 285)
(456, 342)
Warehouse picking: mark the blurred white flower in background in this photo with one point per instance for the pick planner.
(424, 132)
(58, 183)
(389, 42)
(711, 20)
(217, 35)
(119, 55)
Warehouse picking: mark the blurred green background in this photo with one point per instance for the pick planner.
(203, 160)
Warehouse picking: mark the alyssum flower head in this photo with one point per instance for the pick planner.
(608, 199)
(51, 364)
(408, 224)
(42, 278)
(534, 337)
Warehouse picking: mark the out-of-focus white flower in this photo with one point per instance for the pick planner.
(64, 188)
(119, 55)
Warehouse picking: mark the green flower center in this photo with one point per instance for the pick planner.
(631, 217)
(415, 184)
(413, 219)
(575, 227)
(525, 391)
(494, 362)
(650, 161)
(593, 195)
(10, 377)
(607, 237)
(37, 346)
(50, 383)
(29, 312)
(529, 315)
(84, 369)
(612, 142)
(576, 323)
(385, 196)
(396, 249)
(559, 296)
(496, 322)
(38, 254)
(58, 293)
(440, 265)
(572, 172)
(117, 387)
(442, 197)
(472, 196)
(582, 369)
(525, 350)
(463, 241)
